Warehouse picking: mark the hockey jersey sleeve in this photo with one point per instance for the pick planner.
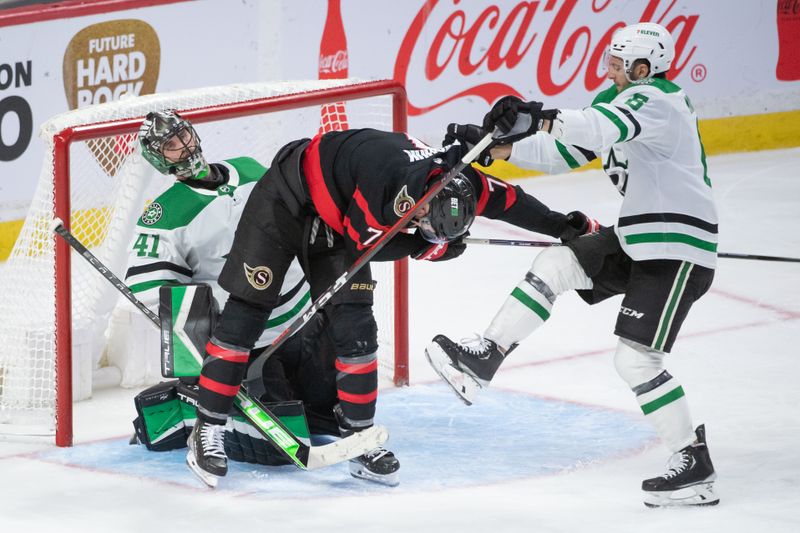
(499, 200)
(156, 257)
(545, 153)
(634, 114)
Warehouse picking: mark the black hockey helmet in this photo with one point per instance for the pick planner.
(451, 213)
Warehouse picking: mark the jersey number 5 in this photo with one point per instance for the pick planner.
(146, 245)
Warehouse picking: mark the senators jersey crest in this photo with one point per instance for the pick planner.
(403, 202)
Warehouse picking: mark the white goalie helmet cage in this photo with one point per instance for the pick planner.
(646, 40)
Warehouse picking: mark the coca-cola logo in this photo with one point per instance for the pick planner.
(333, 63)
(481, 47)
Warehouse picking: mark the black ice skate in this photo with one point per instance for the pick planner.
(689, 479)
(206, 457)
(466, 367)
(379, 465)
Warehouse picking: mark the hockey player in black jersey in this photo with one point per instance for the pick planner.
(325, 201)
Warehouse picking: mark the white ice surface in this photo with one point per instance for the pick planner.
(737, 358)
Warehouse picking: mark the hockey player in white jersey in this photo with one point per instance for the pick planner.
(661, 254)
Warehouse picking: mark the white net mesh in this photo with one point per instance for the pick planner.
(110, 185)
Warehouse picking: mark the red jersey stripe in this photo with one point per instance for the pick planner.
(359, 368)
(219, 388)
(320, 196)
(484, 199)
(358, 398)
(353, 234)
(362, 204)
(227, 355)
(511, 196)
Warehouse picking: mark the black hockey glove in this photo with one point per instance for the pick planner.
(468, 135)
(441, 252)
(516, 119)
(579, 224)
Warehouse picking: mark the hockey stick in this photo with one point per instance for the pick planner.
(364, 258)
(304, 456)
(508, 242)
(544, 244)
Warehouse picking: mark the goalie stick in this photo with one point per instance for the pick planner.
(545, 244)
(304, 456)
(364, 258)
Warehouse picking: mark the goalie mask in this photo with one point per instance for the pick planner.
(646, 40)
(451, 212)
(165, 132)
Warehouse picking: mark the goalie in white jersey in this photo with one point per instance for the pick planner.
(661, 254)
(185, 234)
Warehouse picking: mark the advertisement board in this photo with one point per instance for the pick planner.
(455, 58)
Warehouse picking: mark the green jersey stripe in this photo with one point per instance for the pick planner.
(571, 161)
(646, 238)
(665, 324)
(291, 313)
(530, 303)
(658, 403)
(610, 115)
(146, 285)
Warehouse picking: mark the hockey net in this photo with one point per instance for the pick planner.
(55, 308)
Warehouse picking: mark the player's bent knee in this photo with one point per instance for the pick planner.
(241, 323)
(353, 330)
(636, 363)
(560, 270)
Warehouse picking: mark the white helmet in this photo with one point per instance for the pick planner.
(646, 40)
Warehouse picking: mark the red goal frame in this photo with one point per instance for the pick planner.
(63, 270)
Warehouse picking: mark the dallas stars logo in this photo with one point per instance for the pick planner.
(152, 214)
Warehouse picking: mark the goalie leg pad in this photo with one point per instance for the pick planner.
(162, 424)
(188, 315)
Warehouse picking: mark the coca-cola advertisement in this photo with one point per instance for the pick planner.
(788, 19)
(456, 57)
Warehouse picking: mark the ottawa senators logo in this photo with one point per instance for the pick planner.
(259, 277)
(403, 202)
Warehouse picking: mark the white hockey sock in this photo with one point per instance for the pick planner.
(660, 396)
(665, 406)
(554, 271)
(524, 310)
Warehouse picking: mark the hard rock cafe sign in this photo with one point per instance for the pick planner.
(477, 46)
(108, 61)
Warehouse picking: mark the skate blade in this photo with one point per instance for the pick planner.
(698, 495)
(360, 472)
(347, 448)
(209, 479)
(464, 385)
